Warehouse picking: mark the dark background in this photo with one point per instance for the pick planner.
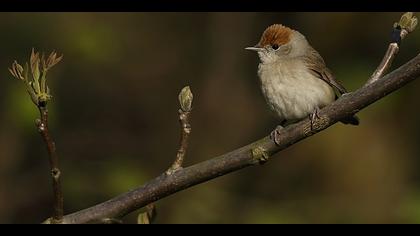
(114, 118)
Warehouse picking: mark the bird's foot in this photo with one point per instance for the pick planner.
(314, 116)
(275, 134)
(345, 94)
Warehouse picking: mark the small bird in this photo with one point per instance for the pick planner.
(295, 81)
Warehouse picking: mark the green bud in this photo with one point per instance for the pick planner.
(143, 218)
(408, 22)
(185, 99)
(413, 24)
(405, 19)
(260, 155)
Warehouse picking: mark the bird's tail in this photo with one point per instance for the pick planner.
(351, 120)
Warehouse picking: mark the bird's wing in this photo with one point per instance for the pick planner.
(318, 68)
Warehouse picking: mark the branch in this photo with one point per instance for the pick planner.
(406, 25)
(249, 155)
(42, 125)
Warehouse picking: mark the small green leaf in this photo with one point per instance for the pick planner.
(16, 71)
(43, 83)
(36, 85)
(34, 60)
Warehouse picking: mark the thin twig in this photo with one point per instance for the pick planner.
(185, 100)
(407, 24)
(385, 63)
(183, 142)
(249, 155)
(42, 125)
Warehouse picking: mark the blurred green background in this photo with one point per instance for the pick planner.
(114, 118)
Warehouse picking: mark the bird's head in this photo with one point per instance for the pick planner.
(280, 42)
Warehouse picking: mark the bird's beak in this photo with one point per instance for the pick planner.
(255, 48)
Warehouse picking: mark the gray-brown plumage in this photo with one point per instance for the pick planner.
(294, 78)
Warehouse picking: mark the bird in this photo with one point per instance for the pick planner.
(294, 79)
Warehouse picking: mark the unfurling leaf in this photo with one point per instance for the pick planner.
(34, 61)
(52, 60)
(16, 70)
(36, 85)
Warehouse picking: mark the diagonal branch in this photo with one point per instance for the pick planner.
(251, 154)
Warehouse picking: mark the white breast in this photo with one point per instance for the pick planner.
(291, 91)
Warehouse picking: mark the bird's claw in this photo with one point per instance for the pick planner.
(345, 94)
(275, 134)
(313, 117)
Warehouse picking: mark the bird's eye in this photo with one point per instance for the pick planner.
(275, 46)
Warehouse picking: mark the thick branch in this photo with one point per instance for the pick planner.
(249, 155)
(42, 125)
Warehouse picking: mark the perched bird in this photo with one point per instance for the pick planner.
(295, 81)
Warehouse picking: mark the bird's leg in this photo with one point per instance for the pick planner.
(314, 116)
(275, 134)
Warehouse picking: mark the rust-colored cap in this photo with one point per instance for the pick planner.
(275, 34)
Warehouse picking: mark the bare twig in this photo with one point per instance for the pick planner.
(42, 125)
(185, 100)
(249, 155)
(33, 75)
(385, 63)
(407, 24)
